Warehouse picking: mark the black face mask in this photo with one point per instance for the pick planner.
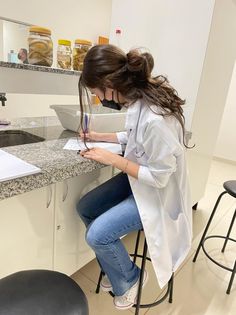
(111, 104)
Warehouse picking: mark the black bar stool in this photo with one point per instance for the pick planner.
(138, 305)
(41, 292)
(230, 188)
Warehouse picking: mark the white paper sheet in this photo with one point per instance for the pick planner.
(12, 167)
(74, 144)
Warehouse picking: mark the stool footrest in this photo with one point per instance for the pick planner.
(148, 305)
(160, 300)
(212, 259)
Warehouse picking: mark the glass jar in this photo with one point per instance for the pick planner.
(80, 50)
(64, 54)
(40, 46)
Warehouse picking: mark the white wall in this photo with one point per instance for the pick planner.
(1, 40)
(175, 32)
(69, 19)
(226, 142)
(212, 94)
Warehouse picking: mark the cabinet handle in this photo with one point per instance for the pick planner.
(50, 196)
(66, 192)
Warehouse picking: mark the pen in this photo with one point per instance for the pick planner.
(86, 123)
(86, 129)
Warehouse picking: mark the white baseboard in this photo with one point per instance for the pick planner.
(216, 158)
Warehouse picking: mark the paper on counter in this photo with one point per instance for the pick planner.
(12, 167)
(74, 144)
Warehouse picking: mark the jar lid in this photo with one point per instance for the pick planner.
(64, 42)
(41, 30)
(83, 42)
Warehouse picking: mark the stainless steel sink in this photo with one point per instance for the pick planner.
(17, 137)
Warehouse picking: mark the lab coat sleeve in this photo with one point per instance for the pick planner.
(161, 149)
(122, 137)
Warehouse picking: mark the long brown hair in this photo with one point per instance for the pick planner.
(107, 66)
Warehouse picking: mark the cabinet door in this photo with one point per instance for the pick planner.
(71, 251)
(26, 231)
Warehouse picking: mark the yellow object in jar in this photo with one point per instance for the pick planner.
(64, 54)
(40, 46)
(79, 52)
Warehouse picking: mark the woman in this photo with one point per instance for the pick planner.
(152, 190)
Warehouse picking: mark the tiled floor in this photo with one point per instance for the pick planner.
(199, 288)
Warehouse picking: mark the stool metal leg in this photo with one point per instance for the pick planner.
(99, 281)
(208, 224)
(229, 231)
(137, 307)
(136, 247)
(231, 278)
(171, 288)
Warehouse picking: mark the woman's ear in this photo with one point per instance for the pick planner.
(109, 92)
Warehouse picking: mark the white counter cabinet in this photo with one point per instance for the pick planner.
(70, 249)
(42, 230)
(27, 231)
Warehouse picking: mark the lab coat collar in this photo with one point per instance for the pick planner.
(132, 115)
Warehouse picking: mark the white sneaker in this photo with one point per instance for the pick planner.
(105, 284)
(128, 299)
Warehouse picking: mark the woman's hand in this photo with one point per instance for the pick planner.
(100, 155)
(91, 136)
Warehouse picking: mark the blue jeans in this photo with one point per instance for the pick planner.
(109, 212)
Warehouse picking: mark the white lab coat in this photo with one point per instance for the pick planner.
(161, 190)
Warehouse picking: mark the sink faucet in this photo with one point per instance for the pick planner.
(3, 98)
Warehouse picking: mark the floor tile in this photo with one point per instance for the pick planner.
(221, 172)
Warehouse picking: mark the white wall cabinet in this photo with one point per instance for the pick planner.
(26, 231)
(71, 251)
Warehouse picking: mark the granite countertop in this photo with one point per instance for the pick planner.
(56, 164)
(37, 68)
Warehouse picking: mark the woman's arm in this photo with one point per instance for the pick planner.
(106, 157)
(126, 166)
(99, 136)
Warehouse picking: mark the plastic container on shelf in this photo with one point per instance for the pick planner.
(12, 57)
(40, 46)
(102, 119)
(64, 54)
(80, 50)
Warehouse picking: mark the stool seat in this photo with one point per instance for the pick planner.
(41, 292)
(230, 187)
